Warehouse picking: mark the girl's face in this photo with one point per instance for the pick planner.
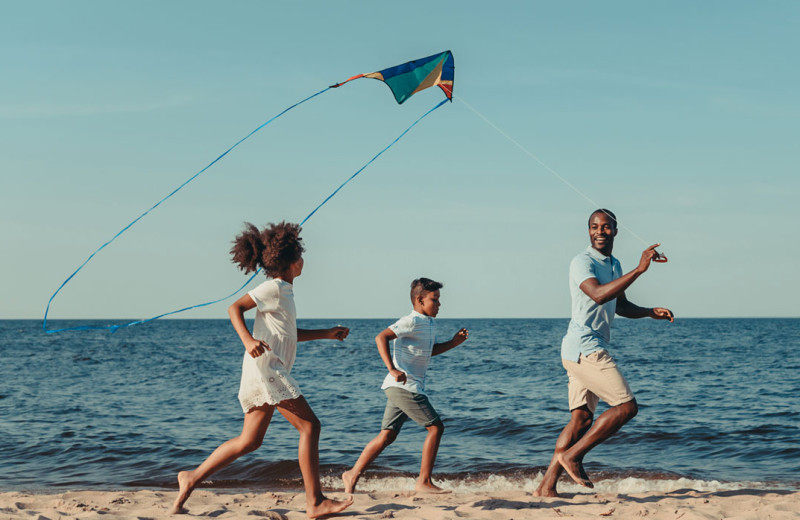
(296, 269)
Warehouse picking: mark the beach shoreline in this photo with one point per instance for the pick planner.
(489, 505)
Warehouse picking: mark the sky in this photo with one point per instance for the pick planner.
(681, 117)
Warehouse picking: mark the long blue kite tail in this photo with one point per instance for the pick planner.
(137, 219)
(115, 328)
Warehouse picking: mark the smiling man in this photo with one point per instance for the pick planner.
(597, 287)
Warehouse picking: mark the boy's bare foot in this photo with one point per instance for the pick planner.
(541, 491)
(327, 507)
(184, 490)
(350, 480)
(430, 488)
(575, 470)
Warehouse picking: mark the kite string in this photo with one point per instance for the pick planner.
(114, 328)
(137, 219)
(371, 160)
(548, 168)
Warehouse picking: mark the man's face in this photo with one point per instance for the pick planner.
(602, 230)
(430, 303)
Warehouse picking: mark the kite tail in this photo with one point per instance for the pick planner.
(137, 219)
(114, 328)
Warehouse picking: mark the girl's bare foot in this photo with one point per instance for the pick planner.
(350, 480)
(184, 490)
(327, 507)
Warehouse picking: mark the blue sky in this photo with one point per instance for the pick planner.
(682, 117)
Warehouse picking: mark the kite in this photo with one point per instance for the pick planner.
(404, 80)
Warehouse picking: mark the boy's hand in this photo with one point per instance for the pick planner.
(338, 333)
(460, 337)
(255, 347)
(398, 375)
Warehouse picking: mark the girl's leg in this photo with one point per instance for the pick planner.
(370, 453)
(429, 450)
(299, 414)
(255, 426)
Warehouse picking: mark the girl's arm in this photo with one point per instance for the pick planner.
(332, 333)
(459, 338)
(382, 340)
(236, 312)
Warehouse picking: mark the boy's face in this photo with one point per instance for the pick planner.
(428, 304)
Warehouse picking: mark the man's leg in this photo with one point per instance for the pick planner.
(579, 424)
(604, 427)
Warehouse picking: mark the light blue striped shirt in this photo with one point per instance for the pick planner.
(412, 350)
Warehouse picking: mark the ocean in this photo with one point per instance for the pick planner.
(718, 403)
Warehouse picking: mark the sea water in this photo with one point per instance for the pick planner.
(718, 406)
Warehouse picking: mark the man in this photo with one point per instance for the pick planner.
(597, 286)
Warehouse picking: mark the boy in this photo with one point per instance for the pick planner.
(413, 345)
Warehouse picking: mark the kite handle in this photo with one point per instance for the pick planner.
(661, 258)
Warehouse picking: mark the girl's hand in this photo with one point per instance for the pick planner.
(398, 375)
(338, 333)
(460, 336)
(256, 347)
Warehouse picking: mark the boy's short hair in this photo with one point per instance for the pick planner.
(421, 286)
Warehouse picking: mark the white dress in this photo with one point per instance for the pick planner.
(266, 379)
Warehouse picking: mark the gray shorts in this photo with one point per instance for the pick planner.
(402, 404)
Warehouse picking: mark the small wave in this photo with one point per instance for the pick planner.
(494, 483)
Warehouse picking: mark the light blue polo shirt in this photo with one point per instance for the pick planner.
(590, 327)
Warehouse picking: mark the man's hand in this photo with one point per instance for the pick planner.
(648, 255)
(660, 313)
(255, 347)
(398, 375)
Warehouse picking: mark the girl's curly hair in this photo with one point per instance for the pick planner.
(274, 249)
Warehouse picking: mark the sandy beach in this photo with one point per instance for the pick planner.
(505, 505)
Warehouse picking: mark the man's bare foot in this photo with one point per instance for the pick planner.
(429, 487)
(574, 470)
(350, 480)
(328, 507)
(184, 490)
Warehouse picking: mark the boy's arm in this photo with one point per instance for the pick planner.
(236, 312)
(332, 333)
(459, 338)
(382, 340)
(628, 309)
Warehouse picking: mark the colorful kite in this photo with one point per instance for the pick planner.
(404, 80)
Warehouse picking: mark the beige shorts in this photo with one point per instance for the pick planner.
(595, 377)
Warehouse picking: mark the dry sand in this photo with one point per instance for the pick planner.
(500, 505)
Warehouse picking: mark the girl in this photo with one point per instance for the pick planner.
(270, 352)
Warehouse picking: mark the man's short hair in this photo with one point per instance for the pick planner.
(421, 286)
(605, 211)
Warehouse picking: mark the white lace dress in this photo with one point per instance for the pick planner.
(266, 379)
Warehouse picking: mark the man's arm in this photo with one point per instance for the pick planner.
(628, 309)
(459, 338)
(604, 293)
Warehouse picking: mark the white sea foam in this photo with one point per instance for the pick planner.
(627, 485)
